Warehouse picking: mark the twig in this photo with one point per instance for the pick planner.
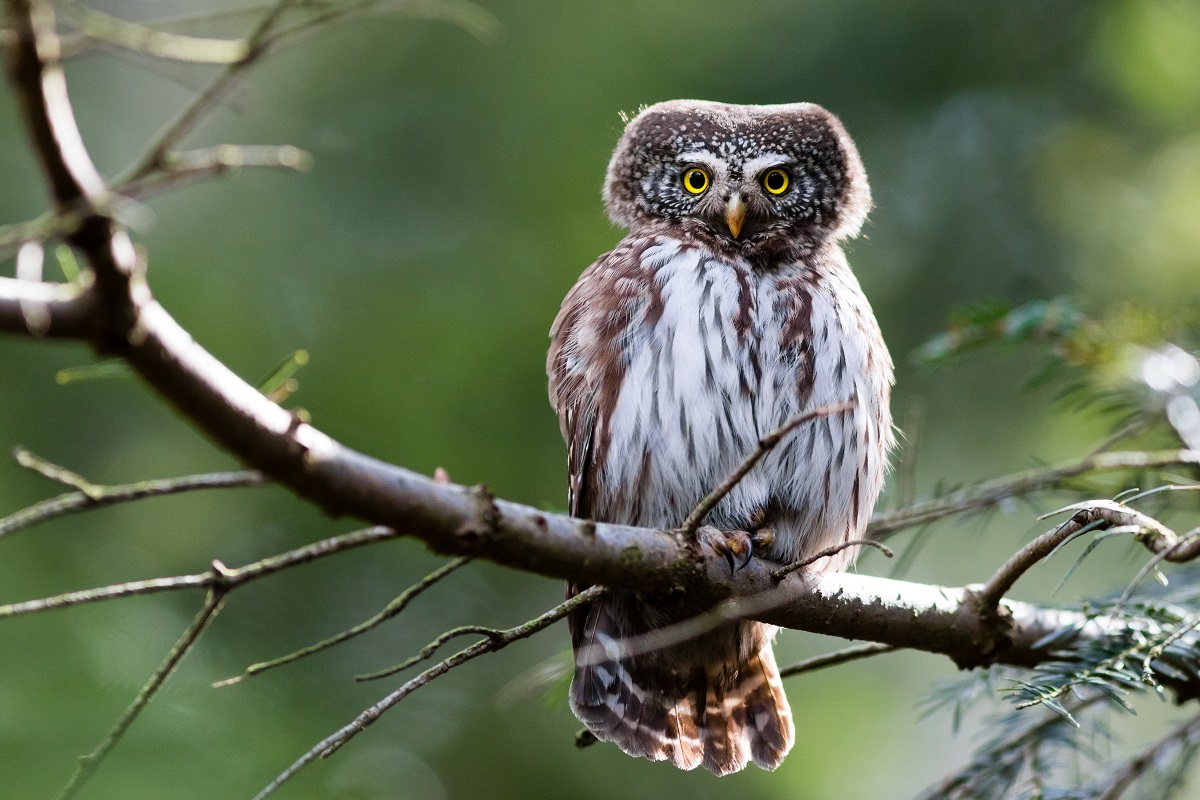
(1186, 626)
(845, 656)
(268, 34)
(765, 445)
(992, 492)
(193, 165)
(1156, 537)
(961, 784)
(331, 743)
(1133, 769)
(54, 472)
(100, 27)
(90, 763)
(155, 157)
(390, 610)
(428, 650)
(833, 550)
(99, 496)
(1003, 579)
(229, 579)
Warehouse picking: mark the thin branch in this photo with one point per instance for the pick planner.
(100, 27)
(999, 584)
(331, 743)
(765, 445)
(390, 610)
(269, 33)
(51, 471)
(90, 763)
(833, 550)
(1157, 538)
(156, 155)
(427, 652)
(98, 496)
(228, 578)
(62, 310)
(187, 167)
(1123, 778)
(990, 493)
(856, 653)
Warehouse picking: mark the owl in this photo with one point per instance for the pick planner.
(728, 310)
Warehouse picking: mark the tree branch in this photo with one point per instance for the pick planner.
(1120, 781)
(97, 496)
(990, 493)
(229, 579)
(90, 763)
(457, 520)
(392, 609)
(498, 640)
(845, 656)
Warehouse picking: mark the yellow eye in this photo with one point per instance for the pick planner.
(695, 180)
(776, 181)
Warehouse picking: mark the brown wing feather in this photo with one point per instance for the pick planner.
(585, 370)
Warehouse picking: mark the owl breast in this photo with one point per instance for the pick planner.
(720, 354)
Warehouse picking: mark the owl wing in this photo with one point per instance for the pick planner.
(586, 363)
(586, 366)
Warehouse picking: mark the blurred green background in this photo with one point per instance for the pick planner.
(1016, 150)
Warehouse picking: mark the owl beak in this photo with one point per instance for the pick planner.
(735, 214)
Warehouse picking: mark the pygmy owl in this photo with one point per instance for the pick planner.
(727, 311)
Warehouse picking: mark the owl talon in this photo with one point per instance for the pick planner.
(730, 544)
(763, 537)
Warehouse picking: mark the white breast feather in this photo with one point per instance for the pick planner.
(682, 403)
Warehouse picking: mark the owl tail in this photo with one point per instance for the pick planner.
(693, 716)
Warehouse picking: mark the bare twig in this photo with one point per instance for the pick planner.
(91, 762)
(54, 472)
(100, 27)
(98, 496)
(270, 32)
(990, 493)
(331, 743)
(230, 579)
(998, 585)
(428, 650)
(390, 610)
(782, 572)
(1124, 777)
(765, 445)
(178, 169)
(254, 47)
(1157, 538)
(845, 656)
(65, 309)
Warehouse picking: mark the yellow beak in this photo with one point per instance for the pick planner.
(735, 214)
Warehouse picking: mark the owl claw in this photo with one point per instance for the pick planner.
(730, 544)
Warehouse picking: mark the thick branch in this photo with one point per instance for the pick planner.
(461, 521)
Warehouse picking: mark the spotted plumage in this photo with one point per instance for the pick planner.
(728, 310)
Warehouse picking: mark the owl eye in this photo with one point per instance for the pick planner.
(776, 181)
(695, 180)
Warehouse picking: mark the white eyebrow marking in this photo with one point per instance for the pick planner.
(761, 163)
(716, 165)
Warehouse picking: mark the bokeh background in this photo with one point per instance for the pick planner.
(1023, 149)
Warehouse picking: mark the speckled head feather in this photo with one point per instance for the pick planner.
(828, 196)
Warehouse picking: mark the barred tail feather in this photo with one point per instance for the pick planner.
(690, 721)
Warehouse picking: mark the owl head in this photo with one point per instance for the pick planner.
(747, 178)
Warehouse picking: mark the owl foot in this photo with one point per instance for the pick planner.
(731, 544)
